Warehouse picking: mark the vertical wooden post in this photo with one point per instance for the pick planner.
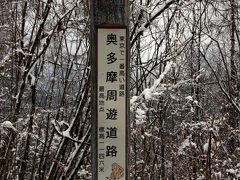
(107, 15)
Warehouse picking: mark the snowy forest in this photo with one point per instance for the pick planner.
(184, 90)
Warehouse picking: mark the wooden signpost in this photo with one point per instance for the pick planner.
(110, 97)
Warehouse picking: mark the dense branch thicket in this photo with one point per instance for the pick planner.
(185, 84)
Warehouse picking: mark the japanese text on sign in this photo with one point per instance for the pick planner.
(111, 80)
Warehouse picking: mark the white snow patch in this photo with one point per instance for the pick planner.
(147, 94)
(83, 172)
(23, 53)
(201, 177)
(185, 144)
(8, 124)
(140, 114)
(147, 134)
(140, 162)
(67, 133)
(140, 121)
(33, 79)
(218, 174)
(133, 100)
(205, 147)
(232, 171)
(189, 98)
(196, 102)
